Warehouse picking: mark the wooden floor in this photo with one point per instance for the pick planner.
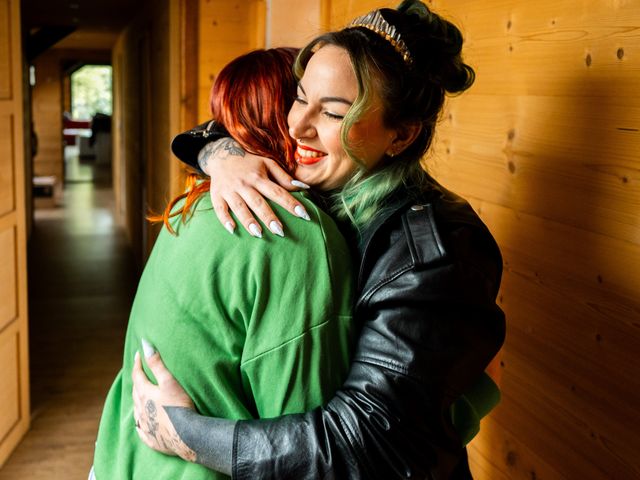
(81, 283)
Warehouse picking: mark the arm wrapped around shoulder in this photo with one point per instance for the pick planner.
(431, 326)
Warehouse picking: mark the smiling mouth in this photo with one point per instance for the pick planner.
(308, 156)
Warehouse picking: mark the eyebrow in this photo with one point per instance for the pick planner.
(328, 99)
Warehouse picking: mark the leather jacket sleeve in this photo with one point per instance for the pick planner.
(430, 327)
(187, 145)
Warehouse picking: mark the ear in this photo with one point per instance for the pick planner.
(405, 136)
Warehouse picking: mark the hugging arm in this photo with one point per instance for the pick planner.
(166, 420)
(241, 181)
(415, 355)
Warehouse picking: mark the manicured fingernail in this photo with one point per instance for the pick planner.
(299, 184)
(230, 227)
(301, 212)
(255, 231)
(276, 228)
(136, 356)
(147, 348)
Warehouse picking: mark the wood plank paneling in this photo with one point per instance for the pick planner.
(545, 156)
(226, 30)
(498, 454)
(9, 381)
(294, 23)
(47, 115)
(556, 48)
(5, 51)
(14, 359)
(340, 12)
(7, 202)
(8, 277)
(546, 146)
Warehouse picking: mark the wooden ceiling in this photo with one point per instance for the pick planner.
(101, 14)
(97, 22)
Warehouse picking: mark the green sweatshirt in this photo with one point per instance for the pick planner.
(250, 328)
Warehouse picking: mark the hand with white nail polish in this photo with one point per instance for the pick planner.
(243, 182)
(255, 230)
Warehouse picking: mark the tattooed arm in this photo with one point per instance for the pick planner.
(243, 181)
(222, 149)
(166, 420)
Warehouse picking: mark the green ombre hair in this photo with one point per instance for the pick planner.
(410, 94)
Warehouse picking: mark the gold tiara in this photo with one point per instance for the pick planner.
(375, 22)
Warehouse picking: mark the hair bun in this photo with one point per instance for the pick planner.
(415, 7)
(435, 44)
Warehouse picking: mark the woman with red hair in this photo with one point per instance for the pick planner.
(231, 324)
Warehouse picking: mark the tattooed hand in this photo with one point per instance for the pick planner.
(150, 402)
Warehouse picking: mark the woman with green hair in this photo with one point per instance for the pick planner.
(364, 115)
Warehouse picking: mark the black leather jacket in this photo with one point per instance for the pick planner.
(428, 282)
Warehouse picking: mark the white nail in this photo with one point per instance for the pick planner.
(147, 348)
(276, 228)
(230, 228)
(301, 212)
(299, 184)
(255, 231)
(135, 357)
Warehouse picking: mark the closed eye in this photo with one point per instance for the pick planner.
(333, 116)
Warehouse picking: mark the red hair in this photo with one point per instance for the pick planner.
(250, 98)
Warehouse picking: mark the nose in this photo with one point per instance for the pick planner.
(300, 126)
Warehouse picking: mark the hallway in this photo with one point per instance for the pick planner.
(81, 284)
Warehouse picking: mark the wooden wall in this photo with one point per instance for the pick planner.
(14, 356)
(293, 22)
(141, 77)
(226, 30)
(47, 116)
(546, 146)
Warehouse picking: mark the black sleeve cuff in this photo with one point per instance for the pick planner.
(187, 145)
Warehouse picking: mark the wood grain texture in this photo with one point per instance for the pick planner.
(546, 156)
(9, 380)
(225, 31)
(545, 145)
(8, 277)
(7, 198)
(5, 50)
(14, 359)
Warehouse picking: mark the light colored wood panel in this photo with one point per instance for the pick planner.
(14, 360)
(574, 336)
(557, 48)
(557, 433)
(5, 49)
(497, 454)
(567, 254)
(8, 277)
(570, 160)
(9, 383)
(225, 31)
(341, 12)
(587, 407)
(589, 369)
(7, 202)
(293, 22)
